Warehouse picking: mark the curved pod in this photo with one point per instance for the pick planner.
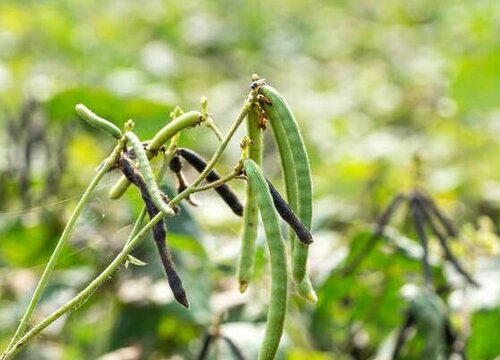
(277, 253)
(189, 119)
(98, 122)
(298, 184)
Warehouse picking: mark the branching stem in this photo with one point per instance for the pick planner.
(42, 283)
(19, 341)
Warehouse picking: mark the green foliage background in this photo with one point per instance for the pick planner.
(371, 84)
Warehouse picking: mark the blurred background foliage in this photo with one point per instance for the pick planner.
(371, 84)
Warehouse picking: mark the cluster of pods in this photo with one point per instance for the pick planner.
(264, 105)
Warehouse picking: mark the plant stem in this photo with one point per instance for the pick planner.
(108, 163)
(216, 157)
(79, 299)
(18, 342)
(236, 172)
(209, 123)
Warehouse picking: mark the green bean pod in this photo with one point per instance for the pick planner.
(278, 110)
(295, 165)
(186, 120)
(278, 301)
(307, 291)
(98, 122)
(251, 211)
(147, 173)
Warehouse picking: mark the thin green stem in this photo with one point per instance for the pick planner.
(79, 299)
(216, 157)
(122, 256)
(137, 225)
(236, 172)
(209, 123)
(42, 283)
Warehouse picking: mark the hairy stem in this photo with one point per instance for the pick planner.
(19, 342)
(216, 157)
(42, 283)
(209, 123)
(236, 172)
(85, 293)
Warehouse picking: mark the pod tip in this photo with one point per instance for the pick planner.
(243, 286)
(307, 291)
(183, 301)
(113, 194)
(311, 297)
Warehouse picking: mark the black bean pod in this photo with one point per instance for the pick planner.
(159, 232)
(431, 207)
(286, 213)
(224, 191)
(175, 164)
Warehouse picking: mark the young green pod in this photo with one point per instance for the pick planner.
(147, 173)
(306, 290)
(184, 121)
(224, 191)
(98, 122)
(276, 246)
(303, 233)
(159, 232)
(292, 151)
(251, 211)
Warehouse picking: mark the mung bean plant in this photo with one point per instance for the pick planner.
(131, 157)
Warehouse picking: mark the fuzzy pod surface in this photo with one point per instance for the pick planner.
(279, 292)
(251, 210)
(147, 173)
(184, 121)
(280, 114)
